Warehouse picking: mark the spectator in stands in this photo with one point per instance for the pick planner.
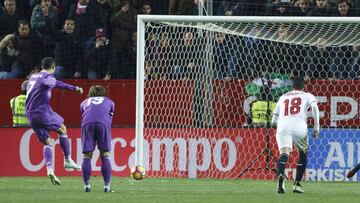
(123, 23)
(317, 61)
(9, 65)
(322, 9)
(181, 7)
(105, 4)
(187, 57)
(341, 62)
(356, 7)
(251, 59)
(164, 55)
(10, 18)
(227, 7)
(44, 22)
(105, 10)
(127, 67)
(302, 8)
(223, 57)
(282, 57)
(146, 8)
(68, 51)
(279, 8)
(98, 58)
(151, 72)
(29, 46)
(62, 6)
(17, 105)
(221, 51)
(22, 5)
(160, 7)
(251, 7)
(87, 18)
(343, 9)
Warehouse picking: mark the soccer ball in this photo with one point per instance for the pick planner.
(137, 172)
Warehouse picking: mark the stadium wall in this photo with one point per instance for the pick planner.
(338, 102)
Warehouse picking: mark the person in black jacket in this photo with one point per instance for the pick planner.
(68, 50)
(9, 18)
(344, 9)
(302, 8)
(44, 20)
(87, 17)
(9, 66)
(98, 58)
(322, 9)
(29, 46)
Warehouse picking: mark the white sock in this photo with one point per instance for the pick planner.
(49, 170)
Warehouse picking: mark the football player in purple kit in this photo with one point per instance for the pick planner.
(43, 118)
(97, 113)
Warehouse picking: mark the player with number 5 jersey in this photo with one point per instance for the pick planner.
(290, 117)
(97, 113)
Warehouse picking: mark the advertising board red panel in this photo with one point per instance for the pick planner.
(22, 153)
(216, 153)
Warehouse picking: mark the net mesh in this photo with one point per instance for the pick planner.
(202, 81)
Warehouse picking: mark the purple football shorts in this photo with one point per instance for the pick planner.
(45, 122)
(95, 133)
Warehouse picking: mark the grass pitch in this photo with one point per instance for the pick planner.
(40, 189)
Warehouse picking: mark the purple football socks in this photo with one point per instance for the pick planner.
(47, 150)
(64, 144)
(106, 170)
(86, 170)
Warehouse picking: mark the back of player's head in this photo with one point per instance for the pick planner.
(298, 83)
(97, 91)
(48, 63)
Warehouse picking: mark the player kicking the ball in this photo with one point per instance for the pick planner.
(291, 120)
(43, 118)
(97, 113)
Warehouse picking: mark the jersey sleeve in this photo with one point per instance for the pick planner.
(64, 85)
(112, 108)
(311, 99)
(276, 114)
(82, 107)
(277, 109)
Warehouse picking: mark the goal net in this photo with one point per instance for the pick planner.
(206, 87)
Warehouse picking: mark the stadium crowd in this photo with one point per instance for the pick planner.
(96, 39)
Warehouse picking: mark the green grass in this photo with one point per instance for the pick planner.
(39, 189)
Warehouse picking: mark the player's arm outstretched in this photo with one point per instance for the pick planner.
(52, 82)
(64, 85)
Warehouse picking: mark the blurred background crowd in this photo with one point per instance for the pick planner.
(96, 39)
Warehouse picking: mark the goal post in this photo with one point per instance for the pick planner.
(199, 77)
(140, 77)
